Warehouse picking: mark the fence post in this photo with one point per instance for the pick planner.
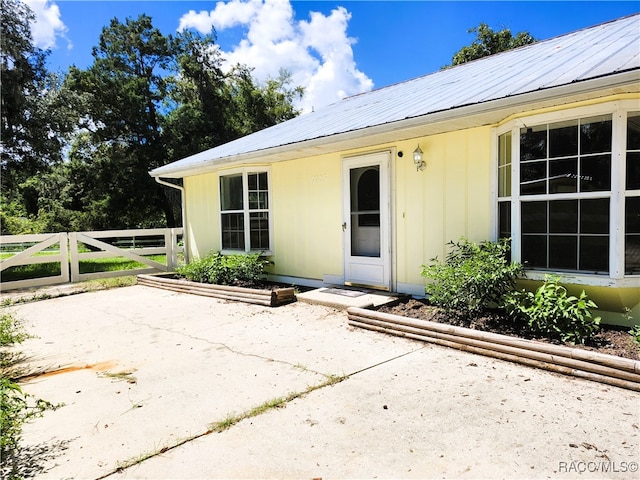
(168, 245)
(63, 239)
(75, 259)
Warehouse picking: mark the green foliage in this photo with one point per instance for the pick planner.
(146, 99)
(16, 406)
(473, 277)
(11, 332)
(635, 333)
(14, 219)
(215, 268)
(489, 42)
(552, 311)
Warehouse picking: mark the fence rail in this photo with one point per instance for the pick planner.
(75, 247)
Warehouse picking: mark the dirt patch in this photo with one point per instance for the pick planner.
(610, 340)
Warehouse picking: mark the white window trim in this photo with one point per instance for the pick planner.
(618, 110)
(245, 202)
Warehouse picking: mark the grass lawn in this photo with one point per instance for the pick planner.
(38, 270)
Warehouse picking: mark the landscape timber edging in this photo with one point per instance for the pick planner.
(603, 368)
(269, 298)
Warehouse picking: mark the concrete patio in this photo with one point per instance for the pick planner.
(146, 376)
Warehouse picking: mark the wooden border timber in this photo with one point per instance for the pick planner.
(609, 369)
(269, 298)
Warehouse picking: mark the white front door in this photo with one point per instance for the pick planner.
(366, 221)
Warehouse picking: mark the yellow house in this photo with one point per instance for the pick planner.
(540, 143)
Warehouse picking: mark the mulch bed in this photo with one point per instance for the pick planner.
(610, 340)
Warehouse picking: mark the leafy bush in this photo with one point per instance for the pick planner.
(16, 406)
(635, 333)
(238, 270)
(473, 277)
(552, 311)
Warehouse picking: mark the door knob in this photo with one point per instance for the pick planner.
(344, 226)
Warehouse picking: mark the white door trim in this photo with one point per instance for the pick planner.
(369, 271)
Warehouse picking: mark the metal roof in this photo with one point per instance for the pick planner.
(604, 50)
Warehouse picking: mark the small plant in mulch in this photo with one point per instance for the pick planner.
(551, 311)
(635, 334)
(238, 270)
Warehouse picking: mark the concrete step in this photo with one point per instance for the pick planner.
(343, 297)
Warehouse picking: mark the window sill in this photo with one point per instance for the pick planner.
(585, 279)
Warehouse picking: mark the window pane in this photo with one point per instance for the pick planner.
(632, 215)
(365, 189)
(595, 173)
(258, 191)
(563, 176)
(504, 181)
(534, 251)
(633, 171)
(632, 255)
(563, 252)
(232, 231)
(633, 131)
(563, 139)
(262, 181)
(594, 254)
(231, 192)
(595, 135)
(252, 181)
(563, 216)
(504, 149)
(504, 219)
(594, 216)
(632, 236)
(534, 217)
(533, 178)
(259, 233)
(533, 143)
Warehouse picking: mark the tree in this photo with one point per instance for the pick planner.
(213, 107)
(146, 100)
(34, 118)
(258, 107)
(127, 90)
(489, 42)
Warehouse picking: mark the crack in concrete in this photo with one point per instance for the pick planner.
(232, 350)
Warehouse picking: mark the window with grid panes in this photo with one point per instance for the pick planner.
(564, 226)
(244, 211)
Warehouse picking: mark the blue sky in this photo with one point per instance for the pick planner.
(333, 48)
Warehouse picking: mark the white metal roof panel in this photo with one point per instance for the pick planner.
(591, 53)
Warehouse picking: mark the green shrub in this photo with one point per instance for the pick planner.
(552, 311)
(635, 333)
(16, 406)
(238, 269)
(473, 277)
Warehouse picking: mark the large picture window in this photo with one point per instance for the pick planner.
(558, 193)
(632, 196)
(244, 211)
(566, 160)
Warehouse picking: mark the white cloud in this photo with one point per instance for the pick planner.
(317, 52)
(48, 25)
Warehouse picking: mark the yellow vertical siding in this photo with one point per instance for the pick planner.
(307, 217)
(202, 210)
(449, 199)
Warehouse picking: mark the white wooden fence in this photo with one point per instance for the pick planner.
(63, 249)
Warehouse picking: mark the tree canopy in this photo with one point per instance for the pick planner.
(489, 42)
(77, 148)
